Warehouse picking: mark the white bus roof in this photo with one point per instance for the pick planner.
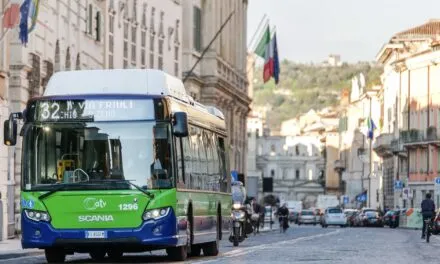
(117, 81)
(122, 81)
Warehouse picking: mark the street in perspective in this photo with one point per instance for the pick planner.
(219, 131)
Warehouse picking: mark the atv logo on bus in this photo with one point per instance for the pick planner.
(91, 203)
(95, 218)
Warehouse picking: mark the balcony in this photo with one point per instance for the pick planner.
(420, 138)
(397, 147)
(414, 138)
(382, 145)
(339, 165)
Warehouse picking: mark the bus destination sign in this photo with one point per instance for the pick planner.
(94, 110)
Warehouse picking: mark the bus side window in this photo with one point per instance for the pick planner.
(187, 158)
(222, 163)
(180, 176)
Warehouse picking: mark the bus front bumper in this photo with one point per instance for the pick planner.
(151, 234)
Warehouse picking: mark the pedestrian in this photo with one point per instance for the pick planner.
(257, 209)
(428, 211)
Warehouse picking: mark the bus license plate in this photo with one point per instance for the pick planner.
(96, 234)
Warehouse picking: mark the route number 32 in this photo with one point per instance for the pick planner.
(128, 207)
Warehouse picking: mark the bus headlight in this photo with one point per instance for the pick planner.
(156, 213)
(37, 215)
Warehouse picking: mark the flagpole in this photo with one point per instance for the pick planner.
(4, 35)
(258, 31)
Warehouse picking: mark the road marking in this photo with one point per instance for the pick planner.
(244, 251)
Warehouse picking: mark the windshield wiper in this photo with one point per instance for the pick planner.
(60, 187)
(149, 194)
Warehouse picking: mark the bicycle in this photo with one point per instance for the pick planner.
(428, 228)
(283, 224)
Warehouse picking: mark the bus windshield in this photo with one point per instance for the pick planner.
(97, 155)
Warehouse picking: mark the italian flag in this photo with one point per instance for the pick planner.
(267, 49)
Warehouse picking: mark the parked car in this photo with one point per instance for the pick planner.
(267, 214)
(350, 214)
(371, 218)
(334, 216)
(436, 229)
(391, 218)
(307, 217)
(293, 216)
(319, 215)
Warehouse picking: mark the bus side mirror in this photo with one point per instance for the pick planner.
(10, 132)
(180, 124)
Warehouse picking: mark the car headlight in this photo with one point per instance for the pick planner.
(37, 215)
(156, 213)
(236, 206)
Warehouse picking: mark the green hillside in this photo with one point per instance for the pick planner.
(303, 87)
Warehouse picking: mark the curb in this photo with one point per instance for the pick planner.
(409, 228)
(19, 253)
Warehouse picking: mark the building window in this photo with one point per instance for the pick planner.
(125, 44)
(133, 45)
(297, 150)
(98, 26)
(272, 173)
(272, 148)
(143, 47)
(197, 29)
(111, 39)
(152, 38)
(297, 174)
(160, 56)
(310, 174)
(89, 29)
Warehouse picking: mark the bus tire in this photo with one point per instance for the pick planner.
(196, 250)
(178, 253)
(55, 255)
(115, 254)
(211, 248)
(220, 222)
(97, 254)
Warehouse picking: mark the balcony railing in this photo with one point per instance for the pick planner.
(420, 137)
(382, 145)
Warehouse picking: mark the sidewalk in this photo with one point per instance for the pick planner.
(11, 248)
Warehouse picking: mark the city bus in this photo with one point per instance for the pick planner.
(117, 161)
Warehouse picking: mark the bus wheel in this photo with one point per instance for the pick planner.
(178, 253)
(195, 251)
(115, 254)
(97, 254)
(55, 255)
(211, 248)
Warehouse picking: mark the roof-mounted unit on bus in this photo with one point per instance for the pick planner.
(116, 81)
(215, 111)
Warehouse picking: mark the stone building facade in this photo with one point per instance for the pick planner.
(295, 163)
(220, 77)
(69, 36)
(144, 34)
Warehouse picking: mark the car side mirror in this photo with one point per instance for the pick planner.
(10, 132)
(180, 124)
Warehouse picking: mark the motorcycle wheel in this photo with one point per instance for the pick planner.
(236, 236)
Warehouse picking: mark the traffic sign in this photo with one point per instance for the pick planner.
(398, 185)
(346, 200)
(437, 185)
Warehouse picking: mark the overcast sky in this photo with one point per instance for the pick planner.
(309, 30)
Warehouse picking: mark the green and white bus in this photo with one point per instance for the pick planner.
(119, 161)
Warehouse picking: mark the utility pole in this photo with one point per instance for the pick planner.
(371, 156)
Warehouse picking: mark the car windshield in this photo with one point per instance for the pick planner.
(371, 213)
(97, 153)
(334, 211)
(307, 213)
